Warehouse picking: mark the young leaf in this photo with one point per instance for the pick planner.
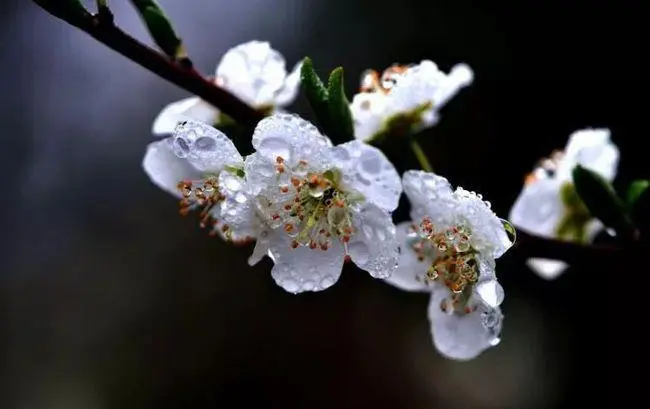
(635, 191)
(340, 116)
(160, 28)
(314, 88)
(602, 201)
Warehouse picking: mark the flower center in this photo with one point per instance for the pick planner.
(202, 194)
(546, 167)
(371, 81)
(311, 207)
(453, 260)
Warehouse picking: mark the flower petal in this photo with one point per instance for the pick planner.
(463, 337)
(539, 208)
(205, 147)
(489, 236)
(546, 268)
(367, 170)
(424, 188)
(303, 269)
(460, 76)
(165, 169)
(289, 91)
(409, 266)
(593, 149)
(374, 247)
(253, 71)
(188, 108)
(261, 249)
(368, 113)
(237, 211)
(293, 139)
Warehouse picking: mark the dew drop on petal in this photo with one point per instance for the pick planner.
(308, 285)
(290, 285)
(359, 252)
(240, 197)
(495, 341)
(368, 231)
(273, 147)
(326, 282)
(491, 292)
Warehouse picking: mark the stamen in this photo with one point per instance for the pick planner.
(204, 195)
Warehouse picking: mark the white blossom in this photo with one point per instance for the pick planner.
(253, 71)
(548, 205)
(415, 93)
(449, 249)
(319, 204)
(188, 165)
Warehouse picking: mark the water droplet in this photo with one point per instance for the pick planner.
(326, 282)
(290, 285)
(491, 292)
(381, 234)
(272, 147)
(232, 183)
(205, 143)
(341, 154)
(370, 163)
(181, 147)
(359, 252)
(308, 285)
(240, 197)
(368, 231)
(495, 341)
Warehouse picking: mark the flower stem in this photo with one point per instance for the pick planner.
(181, 75)
(421, 156)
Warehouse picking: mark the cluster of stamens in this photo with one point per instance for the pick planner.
(310, 207)
(453, 260)
(372, 81)
(546, 166)
(202, 195)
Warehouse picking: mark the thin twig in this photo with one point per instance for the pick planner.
(184, 77)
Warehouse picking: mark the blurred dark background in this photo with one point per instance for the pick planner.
(109, 300)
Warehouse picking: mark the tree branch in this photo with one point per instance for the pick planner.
(186, 77)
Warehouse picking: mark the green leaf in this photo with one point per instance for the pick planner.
(635, 191)
(160, 28)
(314, 89)
(601, 200)
(340, 116)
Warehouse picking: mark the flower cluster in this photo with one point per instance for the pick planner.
(548, 205)
(406, 94)
(310, 206)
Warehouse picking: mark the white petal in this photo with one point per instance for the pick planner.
(368, 112)
(205, 147)
(489, 236)
(460, 76)
(545, 268)
(291, 87)
(374, 247)
(423, 188)
(253, 71)
(303, 269)
(293, 139)
(416, 86)
(409, 267)
(463, 337)
(593, 149)
(261, 249)
(367, 170)
(188, 108)
(165, 169)
(539, 208)
(237, 211)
